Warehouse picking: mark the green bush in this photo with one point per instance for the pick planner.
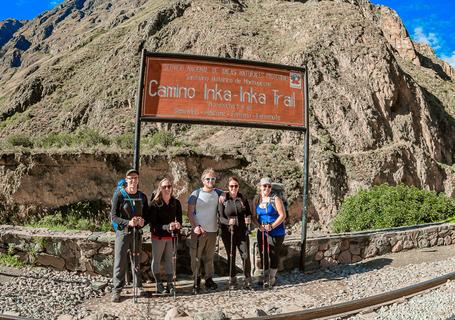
(10, 261)
(125, 141)
(20, 140)
(55, 140)
(88, 215)
(387, 206)
(163, 138)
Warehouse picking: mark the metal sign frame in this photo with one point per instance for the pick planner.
(227, 61)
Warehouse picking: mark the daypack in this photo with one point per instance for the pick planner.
(120, 188)
(277, 191)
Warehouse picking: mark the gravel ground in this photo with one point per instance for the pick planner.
(47, 294)
(41, 293)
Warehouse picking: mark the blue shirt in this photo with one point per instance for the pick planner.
(268, 215)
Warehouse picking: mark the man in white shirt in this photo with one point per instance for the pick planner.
(202, 213)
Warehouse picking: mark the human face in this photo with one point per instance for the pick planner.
(266, 189)
(233, 188)
(166, 188)
(131, 181)
(209, 181)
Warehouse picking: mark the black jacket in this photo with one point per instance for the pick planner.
(162, 214)
(234, 208)
(124, 208)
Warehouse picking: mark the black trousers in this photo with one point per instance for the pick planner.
(270, 250)
(240, 242)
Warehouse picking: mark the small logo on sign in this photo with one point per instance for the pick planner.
(295, 80)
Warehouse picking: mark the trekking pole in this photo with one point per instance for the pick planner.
(263, 256)
(134, 267)
(175, 242)
(231, 229)
(196, 273)
(268, 255)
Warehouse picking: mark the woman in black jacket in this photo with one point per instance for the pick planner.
(165, 223)
(235, 219)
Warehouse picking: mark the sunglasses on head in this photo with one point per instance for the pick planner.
(233, 186)
(210, 179)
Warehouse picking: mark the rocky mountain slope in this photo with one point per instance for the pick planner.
(382, 108)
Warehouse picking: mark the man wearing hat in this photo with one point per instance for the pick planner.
(129, 207)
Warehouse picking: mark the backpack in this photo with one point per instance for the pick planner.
(277, 191)
(120, 187)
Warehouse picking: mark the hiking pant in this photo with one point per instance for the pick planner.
(241, 242)
(274, 244)
(160, 248)
(206, 253)
(123, 253)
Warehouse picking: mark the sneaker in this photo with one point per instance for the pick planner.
(141, 292)
(115, 297)
(272, 281)
(247, 284)
(233, 283)
(160, 288)
(170, 289)
(210, 284)
(196, 290)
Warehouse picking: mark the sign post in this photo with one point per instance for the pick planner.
(178, 88)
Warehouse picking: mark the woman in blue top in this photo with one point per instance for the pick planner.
(269, 215)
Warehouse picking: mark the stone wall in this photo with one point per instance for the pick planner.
(92, 252)
(353, 247)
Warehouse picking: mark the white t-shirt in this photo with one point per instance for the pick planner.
(206, 209)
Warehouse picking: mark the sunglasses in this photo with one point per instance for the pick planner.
(267, 186)
(210, 179)
(166, 187)
(234, 186)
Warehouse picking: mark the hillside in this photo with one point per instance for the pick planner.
(382, 108)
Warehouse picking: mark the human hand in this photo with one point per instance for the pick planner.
(268, 227)
(172, 226)
(198, 230)
(132, 222)
(232, 221)
(247, 220)
(177, 225)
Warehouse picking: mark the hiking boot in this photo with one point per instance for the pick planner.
(115, 297)
(247, 284)
(197, 286)
(210, 284)
(141, 292)
(160, 288)
(170, 289)
(232, 283)
(273, 277)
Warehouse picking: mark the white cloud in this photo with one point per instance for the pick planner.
(449, 59)
(430, 39)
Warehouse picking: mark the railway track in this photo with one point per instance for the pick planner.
(341, 309)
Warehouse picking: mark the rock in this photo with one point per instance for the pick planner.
(45, 259)
(447, 240)
(260, 313)
(212, 315)
(397, 247)
(175, 314)
(423, 243)
(319, 255)
(328, 262)
(345, 257)
(355, 249)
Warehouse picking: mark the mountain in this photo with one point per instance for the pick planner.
(382, 108)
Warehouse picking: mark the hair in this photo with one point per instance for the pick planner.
(207, 172)
(233, 178)
(158, 199)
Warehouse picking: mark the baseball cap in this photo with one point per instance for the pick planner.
(265, 180)
(131, 171)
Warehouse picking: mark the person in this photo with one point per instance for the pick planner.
(269, 215)
(202, 214)
(129, 208)
(165, 223)
(235, 215)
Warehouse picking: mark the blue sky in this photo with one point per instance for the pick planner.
(25, 9)
(432, 22)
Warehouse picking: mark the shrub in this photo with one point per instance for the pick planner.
(20, 140)
(88, 215)
(163, 138)
(387, 206)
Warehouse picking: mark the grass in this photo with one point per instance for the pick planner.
(9, 260)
